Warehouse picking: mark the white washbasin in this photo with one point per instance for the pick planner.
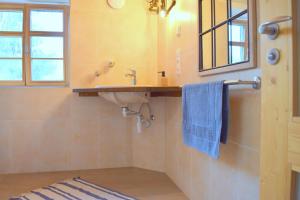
(123, 99)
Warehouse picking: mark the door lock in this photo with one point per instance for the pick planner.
(273, 56)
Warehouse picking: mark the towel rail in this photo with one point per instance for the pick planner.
(256, 83)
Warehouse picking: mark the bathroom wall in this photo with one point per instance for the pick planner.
(235, 175)
(50, 129)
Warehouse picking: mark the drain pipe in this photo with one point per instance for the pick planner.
(126, 112)
(141, 120)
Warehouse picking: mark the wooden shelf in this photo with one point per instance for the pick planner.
(155, 91)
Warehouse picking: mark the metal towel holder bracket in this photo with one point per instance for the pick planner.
(256, 83)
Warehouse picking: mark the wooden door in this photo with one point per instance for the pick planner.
(280, 132)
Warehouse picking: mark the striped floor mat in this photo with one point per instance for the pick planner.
(75, 189)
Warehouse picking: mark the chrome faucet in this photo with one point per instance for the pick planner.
(132, 75)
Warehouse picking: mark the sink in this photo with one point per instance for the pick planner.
(123, 99)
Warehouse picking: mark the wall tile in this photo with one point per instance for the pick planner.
(115, 143)
(55, 141)
(5, 147)
(25, 146)
(149, 146)
(85, 143)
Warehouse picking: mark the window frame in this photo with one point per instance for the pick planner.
(26, 35)
(252, 51)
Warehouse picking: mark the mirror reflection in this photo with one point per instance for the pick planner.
(221, 13)
(207, 54)
(238, 6)
(224, 33)
(222, 45)
(206, 16)
(238, 40)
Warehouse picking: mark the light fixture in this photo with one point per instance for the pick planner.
(160, 7)
(154, 5)
(163, 13)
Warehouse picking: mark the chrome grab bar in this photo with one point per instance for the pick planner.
(271, 28)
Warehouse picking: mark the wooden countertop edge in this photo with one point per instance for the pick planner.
(130, 89)
(155, 91)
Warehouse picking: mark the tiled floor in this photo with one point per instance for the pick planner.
(142, 184)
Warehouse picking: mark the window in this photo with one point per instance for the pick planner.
(33, 44)
(226, 35)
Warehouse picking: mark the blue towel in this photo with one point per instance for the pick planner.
(205, 116)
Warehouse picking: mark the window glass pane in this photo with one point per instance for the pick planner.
(11, 21)
(222, 46)
(10, 70)
(206, 15)
(221, 13)
(239, 44)
(46, 20)
(238, 54)
(10, 47)
(47, 47)
(47, 70)
(238, 33)
(207, 53)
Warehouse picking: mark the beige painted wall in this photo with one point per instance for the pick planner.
(235, 175)
(50, 129)
(98, 33)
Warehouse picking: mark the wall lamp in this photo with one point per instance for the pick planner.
(160, 7)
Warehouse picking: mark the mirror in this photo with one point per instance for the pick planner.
(221, 47)
(221, 12)
(238, 40)
(207, 55)
(206, 15)
(238, 6)
(226, 31)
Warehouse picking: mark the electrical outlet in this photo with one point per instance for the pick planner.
(178, 61)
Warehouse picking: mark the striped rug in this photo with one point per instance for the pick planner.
(75, 189)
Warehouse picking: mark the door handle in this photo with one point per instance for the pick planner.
(271, 28)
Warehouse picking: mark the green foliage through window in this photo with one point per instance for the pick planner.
(46, 56)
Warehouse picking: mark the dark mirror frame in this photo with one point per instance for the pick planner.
(252, 40)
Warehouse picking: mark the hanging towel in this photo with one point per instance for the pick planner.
(205, 116)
